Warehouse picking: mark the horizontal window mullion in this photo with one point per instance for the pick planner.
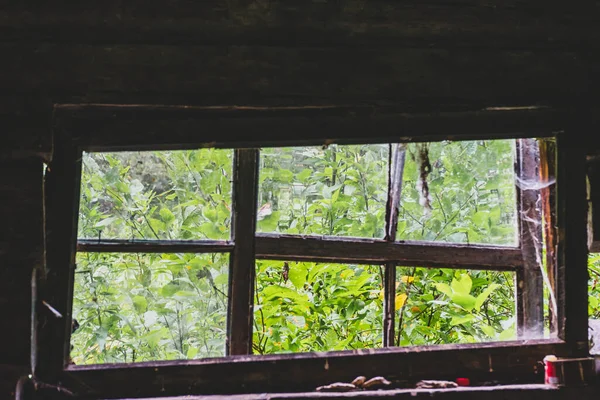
(154, 246)
(365, 251)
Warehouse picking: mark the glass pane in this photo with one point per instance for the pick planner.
(302, 307)
(156, 195)
(440, 306)
(335, 191)
(145, 307)
(594, 302)
(462, 192)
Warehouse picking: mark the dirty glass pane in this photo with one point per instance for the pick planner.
(301, 306)
(146, 307)
(594, 302)
(156, 195)
(462, 192)
(440, 306)
(334, 191)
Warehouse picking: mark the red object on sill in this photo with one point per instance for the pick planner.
(463, 381)
(550, 377)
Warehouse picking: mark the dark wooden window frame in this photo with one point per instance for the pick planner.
(118, 127)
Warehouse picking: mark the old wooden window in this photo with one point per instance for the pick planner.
(529, 248)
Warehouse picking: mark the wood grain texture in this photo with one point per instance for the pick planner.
(468, 23)
(244, 74)
(55, 283)
(372, 251)
(242, 272)
(571, 217)
(112, 127)
(21, 251)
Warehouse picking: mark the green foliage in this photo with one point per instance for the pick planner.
(139, 307)
(453, 306)
(593, 286)
(336, 191)
(318, 307)
(142, 307)
(156, 195)
(472, 194)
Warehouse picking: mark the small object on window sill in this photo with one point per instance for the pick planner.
(569, 371)
(431, 384)
(550, 370)
(359, 380)
(337, 387)
(359, 383)
(375, 382)
(463, 381)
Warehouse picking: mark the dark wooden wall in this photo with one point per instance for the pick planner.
(422, 55)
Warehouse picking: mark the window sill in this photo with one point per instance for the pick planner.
(525, 391)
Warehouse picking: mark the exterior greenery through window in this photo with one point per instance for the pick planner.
(134, 306)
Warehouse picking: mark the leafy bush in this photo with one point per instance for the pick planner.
(137, 307)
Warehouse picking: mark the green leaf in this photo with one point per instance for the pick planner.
(169, 289)
(284, 175)
(466, 301)
(507, 334)
(485, 294)
(298, 274)
(481, 218)
(269, 223)
(276, 291)
(444, 288)
(462, 285)
(106, 222)
(166, 215)
(488, 330)
(335, 196)
(222, 279)
(458, 320)
(140, 304)
(304, 175)
(191, 353)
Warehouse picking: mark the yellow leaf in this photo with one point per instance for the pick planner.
(408, 279)
(400, 300)
(381, 294)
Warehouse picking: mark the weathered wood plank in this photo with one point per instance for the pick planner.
(21, 251)
(309, 75)
(242, 262)
(366, 251)
(154, 246)
(500, 392)
(512, 361)
(474, 23)
(106, 127)
(55, 283)
(548, 174)
(25, 127)
(571, 217)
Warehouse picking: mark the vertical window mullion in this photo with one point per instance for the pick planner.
(530, 284)
(396, 169)
(242, 263)
(548, 194)
(571, 214)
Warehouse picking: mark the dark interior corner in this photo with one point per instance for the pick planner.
(250, 75)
